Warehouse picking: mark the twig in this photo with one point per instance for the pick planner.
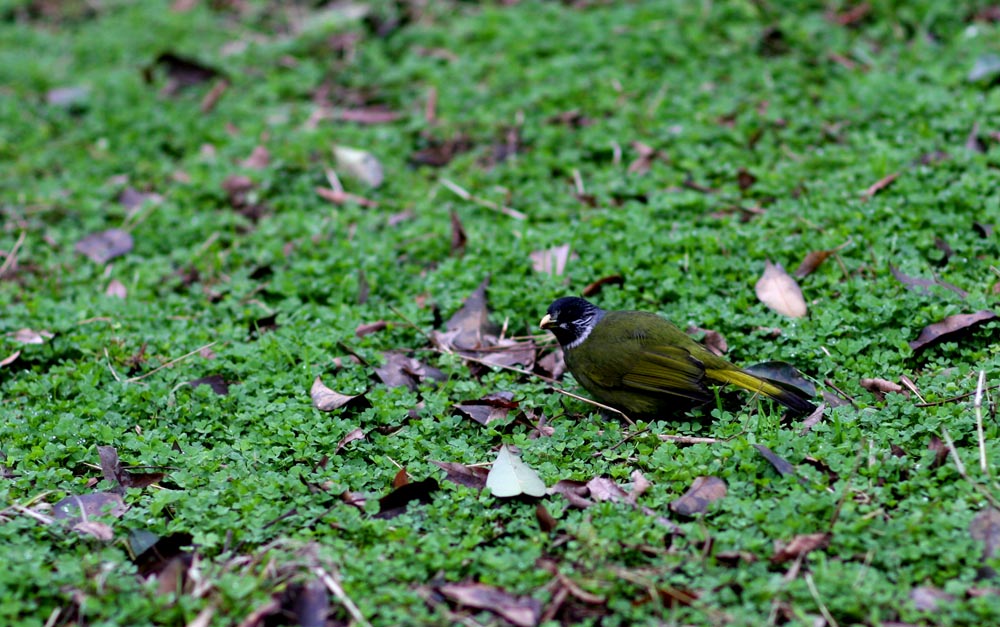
(992, 500)
(815, 595)
(482, 202)
(595, 404)
(338, 591)
(955, 398)
(170, 363)
(687, 439)
(12, 255)
(114, 373)
(978, 404)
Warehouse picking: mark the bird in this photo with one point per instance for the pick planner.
(644, 366)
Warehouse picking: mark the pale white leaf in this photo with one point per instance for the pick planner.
(509, 476)
(779, 291)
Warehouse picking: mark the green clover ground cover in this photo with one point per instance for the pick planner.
(768, 126)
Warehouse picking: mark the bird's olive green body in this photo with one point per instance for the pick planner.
(643, 365)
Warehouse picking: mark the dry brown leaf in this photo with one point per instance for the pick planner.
(923, 286)
(113, 472)
(9, 359)
(354, 434)
(546, 521)
(985, 528)
(400, 370)
(370, 327)
(783, 466)
(458, 236)
(326, 399)
(75, 508)
(703, 491)
(401, 478)
(521, 611)
(218, 384)
(491, 407)
(470, 476)
(551, 260)
(812, 261)
(104, 246)
(99, 530)
(713, 340)
(367, 115)
(396, 502)
(879, 185)
(800, 545)
(598, 285)
(780, 292)
(880, 387)
(259, 158)
(951, 328)
(927, 598)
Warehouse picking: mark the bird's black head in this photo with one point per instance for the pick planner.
(571, 319)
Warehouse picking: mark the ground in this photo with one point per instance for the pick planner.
(163, 374)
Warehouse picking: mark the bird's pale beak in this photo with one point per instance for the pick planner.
(546, 322)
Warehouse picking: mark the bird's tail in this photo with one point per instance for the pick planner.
(787, 395)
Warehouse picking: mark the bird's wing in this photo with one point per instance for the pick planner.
(668, 370)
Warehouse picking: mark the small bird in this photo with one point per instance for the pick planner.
(643, 365)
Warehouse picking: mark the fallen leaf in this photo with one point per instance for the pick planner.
(101, 531)
(551, 260)
(509, 476)
(780, 292)
(639, 486)
(604, 489)
(812, 261)
(215, 381)
(951, 328)
(940, 450)
(576, 492)
(259, 159)
(75, 508)
(354, 434)
(552, 365)
(400, 370)
(985, 528)
(73, 98)
(360, 165)
(9, 359)
(471, 323)
(713, 340)
(852, 16)
(396, 502)
(116, 289)
(927, 598)
(780, 464)
(370, 327)
(880, 387)
(470, 476)
(30, 336)
(521, 611)
(546, 521)
(132, 199)
(458, 237)
(922, 285)
(491, 407)
(598, 285)
(800, 545)
(401, 478)
(439, 153)
(985, 230)
(326, 399)
(744, 179)
(703, 491)
(879, 185)
(182, 72)
(104, 246)
(113, 472)
(812, 419)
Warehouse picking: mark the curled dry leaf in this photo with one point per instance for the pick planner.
(29, 336)
(354, 434)
(521, 611)
(400, 370)
(359, 164)
(370, 327)
(551, 260)
(101, 531)
(325, 399)
(812, 261)
(879, 185)
(951, 328)
(491, 407)
(598, 285)
(104, 246)
(458, 237)
(9, 359)
(880, 387)
(783, 466)
(470, 476)
(780, 292)
(259, 158)
(800, 545)
(395, 503)
(985, 528)
(713, 340)
(703, 491)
